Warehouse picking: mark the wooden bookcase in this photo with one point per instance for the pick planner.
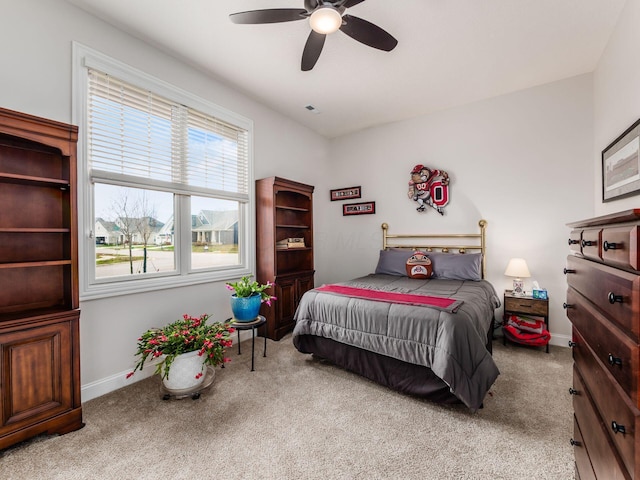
(39, 316)
(284, 209)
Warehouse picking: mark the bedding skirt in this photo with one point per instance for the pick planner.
(404, 377)
(393, 373)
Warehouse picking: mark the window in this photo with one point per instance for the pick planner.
(164, 183)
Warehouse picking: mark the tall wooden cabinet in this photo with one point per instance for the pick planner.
(603, 304)
(39, 316)
(284, 209)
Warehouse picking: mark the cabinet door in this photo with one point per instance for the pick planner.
(303, 284)
(36, 372)
(287, 301)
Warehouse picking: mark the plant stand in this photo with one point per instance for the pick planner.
(194, 393)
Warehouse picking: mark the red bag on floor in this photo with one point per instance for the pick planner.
(533, 339)
(526, 324)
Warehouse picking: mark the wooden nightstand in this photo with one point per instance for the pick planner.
(525, 305)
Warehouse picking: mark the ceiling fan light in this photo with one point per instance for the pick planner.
(325, 19)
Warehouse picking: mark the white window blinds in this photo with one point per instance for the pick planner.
(135, 134)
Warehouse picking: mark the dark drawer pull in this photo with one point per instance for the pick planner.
(572, 344)
(588, 243)
(610, 246)
(617, 428)
(575, 443)
(566, 305)
(573, 242)
(573, 391)
(613, 298)
(568, 270)
(614, 360)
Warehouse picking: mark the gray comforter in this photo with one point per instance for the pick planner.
(451, 344)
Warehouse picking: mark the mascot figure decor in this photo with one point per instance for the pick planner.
(419, 266)
(429, 187)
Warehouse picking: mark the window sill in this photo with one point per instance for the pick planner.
(134, 286)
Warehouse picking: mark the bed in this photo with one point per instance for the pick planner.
(429, 337)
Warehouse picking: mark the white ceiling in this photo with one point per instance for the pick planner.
(450, 52)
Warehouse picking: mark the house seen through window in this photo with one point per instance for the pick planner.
(135, 232)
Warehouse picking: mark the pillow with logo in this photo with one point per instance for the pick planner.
(419, 266)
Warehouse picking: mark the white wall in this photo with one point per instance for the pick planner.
(520, 161)
(617, 97)
(36, 79)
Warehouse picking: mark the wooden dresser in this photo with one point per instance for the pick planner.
(603, 304)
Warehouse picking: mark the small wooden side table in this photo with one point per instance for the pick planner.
(253, 326)
(525, 305)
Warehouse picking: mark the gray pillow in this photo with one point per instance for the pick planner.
(456, 266)
(393, 262)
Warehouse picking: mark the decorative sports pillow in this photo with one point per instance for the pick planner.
(419, 265)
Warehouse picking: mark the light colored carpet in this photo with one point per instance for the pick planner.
(300, 418)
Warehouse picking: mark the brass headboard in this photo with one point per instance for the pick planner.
(445, 247)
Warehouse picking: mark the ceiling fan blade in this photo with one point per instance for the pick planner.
(272, 15)
(351, 3)
(312, 50)
(368, 33)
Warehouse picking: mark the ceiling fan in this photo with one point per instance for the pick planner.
(325, 17)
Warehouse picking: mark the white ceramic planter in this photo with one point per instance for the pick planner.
(184, 370)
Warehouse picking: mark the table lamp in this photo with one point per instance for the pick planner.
(518, 269)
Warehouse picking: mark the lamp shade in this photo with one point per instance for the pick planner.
(517, 267)
(325, 19)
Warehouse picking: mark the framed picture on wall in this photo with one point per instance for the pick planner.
(621, 165)
(364, 208)
(346, 193)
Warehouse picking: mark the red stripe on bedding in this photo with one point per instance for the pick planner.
(391, 297)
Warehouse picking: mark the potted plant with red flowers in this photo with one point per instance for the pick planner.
(183, 349)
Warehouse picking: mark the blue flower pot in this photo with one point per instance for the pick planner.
(246, 309)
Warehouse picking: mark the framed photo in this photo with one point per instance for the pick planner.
(345, 193)
(621, 165)
(364, 208)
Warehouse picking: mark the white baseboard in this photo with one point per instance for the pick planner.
(114, 382)
(560, 340)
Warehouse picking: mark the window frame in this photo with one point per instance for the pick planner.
(85, 58)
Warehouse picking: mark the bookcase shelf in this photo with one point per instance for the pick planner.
(38, 181)
(34, 230)
(301, 227)
(295, 209)
(49, 263)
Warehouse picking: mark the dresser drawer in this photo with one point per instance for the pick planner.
(591, 243)
(617, 352)
(613, 291)
(602, 454)
(620, 246)
(575, 237)
(620, 417)
(532, 306)
(584, 470)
